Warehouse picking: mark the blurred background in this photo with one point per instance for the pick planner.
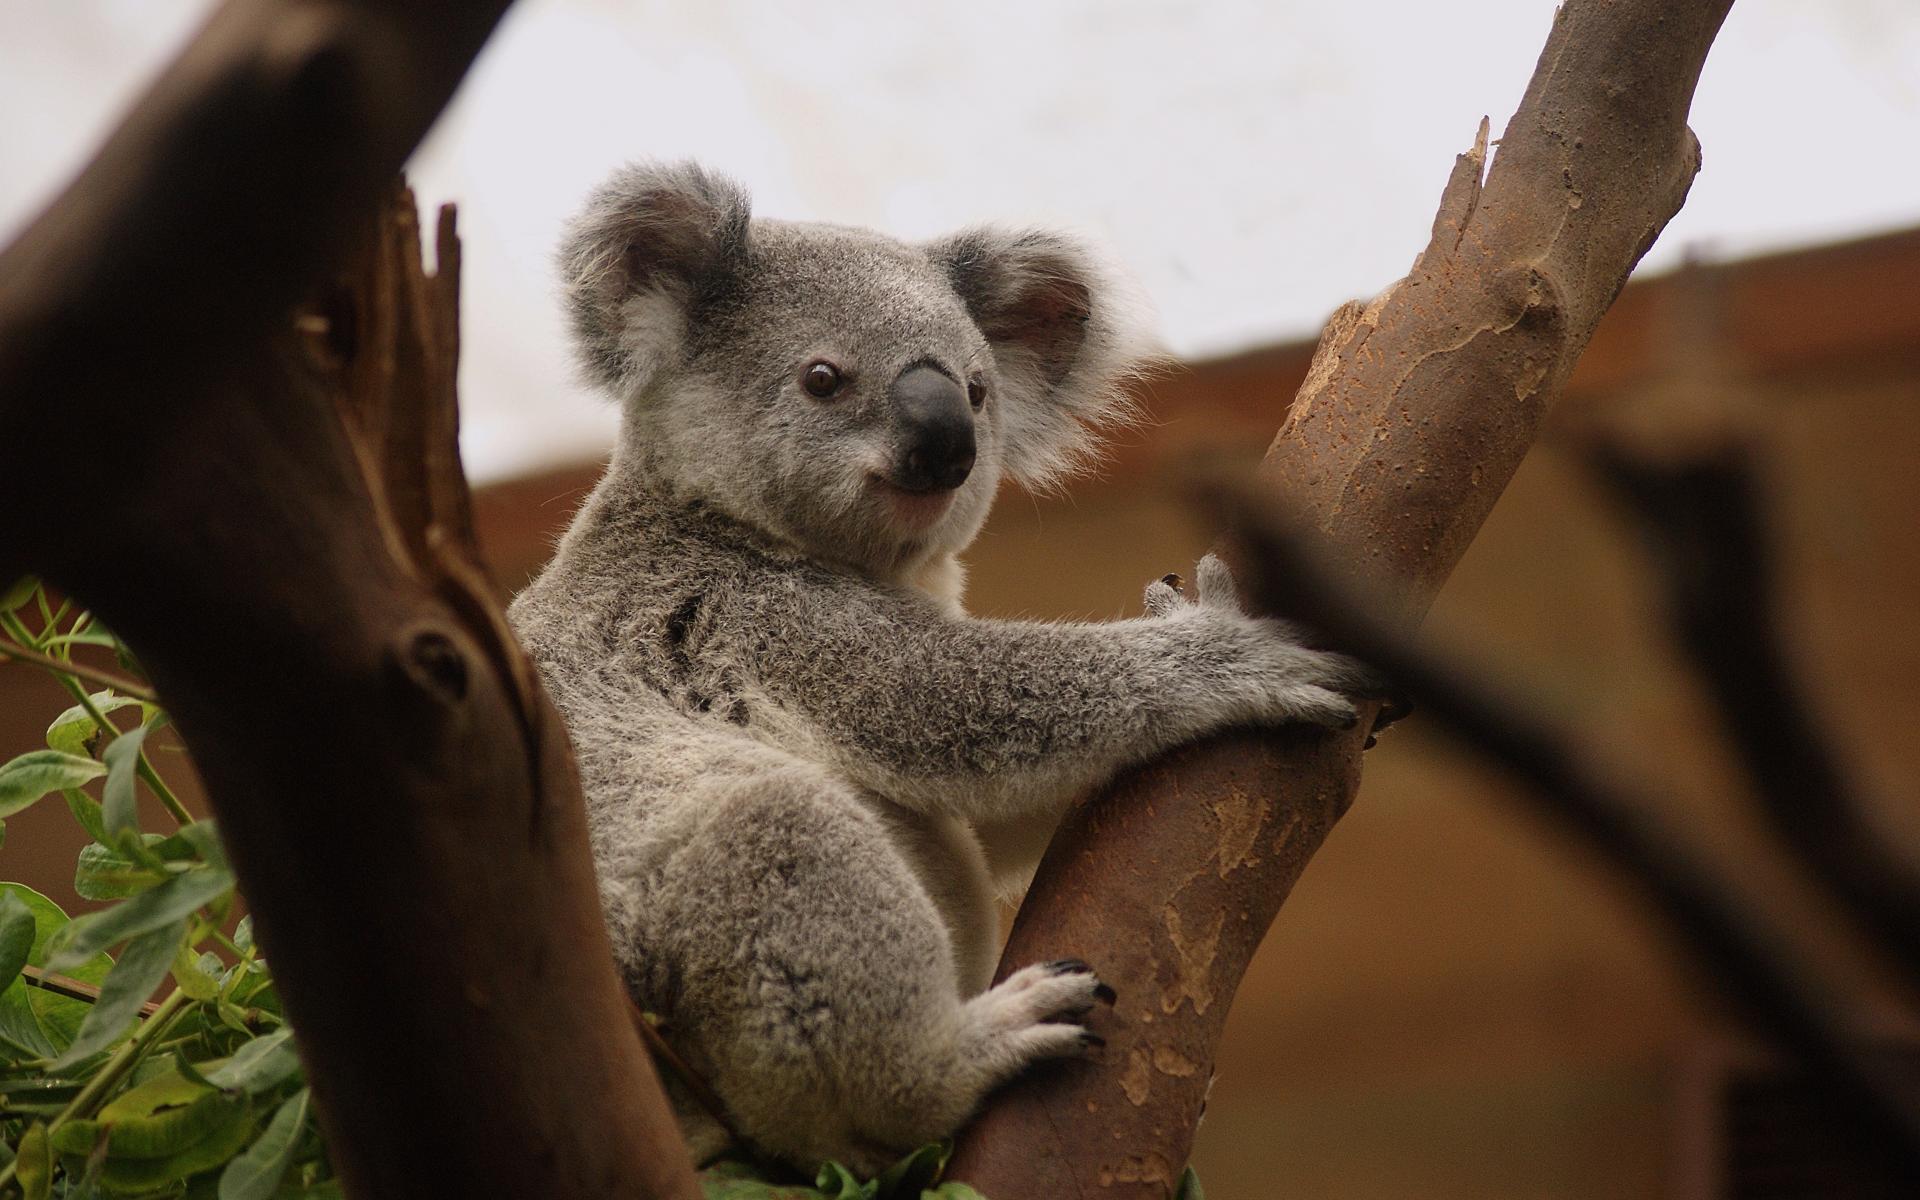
(1452, 1004)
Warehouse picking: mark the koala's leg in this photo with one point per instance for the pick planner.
(814, 982)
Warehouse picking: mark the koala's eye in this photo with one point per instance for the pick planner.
(821, 380)
(976, 393)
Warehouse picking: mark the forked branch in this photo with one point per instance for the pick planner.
(1416, 412)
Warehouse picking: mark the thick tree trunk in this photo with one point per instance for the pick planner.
(1417, 411)
(280, 528)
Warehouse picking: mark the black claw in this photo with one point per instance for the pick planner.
(1175, 582)
(1348, 721)
(1069, 966)
(1093, 1040)
(1103, 992)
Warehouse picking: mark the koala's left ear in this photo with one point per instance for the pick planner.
(1068, 336)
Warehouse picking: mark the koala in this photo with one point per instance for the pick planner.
(807, 769)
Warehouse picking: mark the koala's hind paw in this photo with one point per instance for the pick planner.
(1320, 706)
(1346, 674)
(1041, 1012)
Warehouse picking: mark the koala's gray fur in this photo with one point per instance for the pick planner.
(805, 767)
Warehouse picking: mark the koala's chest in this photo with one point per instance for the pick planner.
(680, 653)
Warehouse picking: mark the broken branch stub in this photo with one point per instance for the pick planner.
(1420, 404)
(1416, 412)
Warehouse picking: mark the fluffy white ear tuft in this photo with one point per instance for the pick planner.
(652, 243)
(1069, 335)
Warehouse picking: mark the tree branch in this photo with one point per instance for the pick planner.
(13, 652)
(1732, 949)
(1417, 410)
(1698, 506)
(408, 828)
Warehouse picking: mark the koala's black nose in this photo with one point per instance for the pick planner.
(935, 425)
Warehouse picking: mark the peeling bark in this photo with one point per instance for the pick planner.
(1415, 414)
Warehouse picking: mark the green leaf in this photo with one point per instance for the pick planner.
(261, 1065)
(256, 1173)
(33, 1164)
(243, 933)
(86, 810)
(16, 937)
(731, 1179)
(915, 1177)
(93, 635)
(37, 772)
(1190, 1186)
(144, 1176)
(189, 1071)
(838, 1183)
(74, 729)
(38, 1021)
(200, 839)
(118, 804)
(915, 1173)
(18, 592)
(187, 973)
(151, 909)
(101, 874)
(168, 1129)
(77, 1137)
(143, 964)
(165, 1116)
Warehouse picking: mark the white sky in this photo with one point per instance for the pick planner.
(1253, 164)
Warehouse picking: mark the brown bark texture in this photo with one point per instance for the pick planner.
(277, 521)
(1417, 411)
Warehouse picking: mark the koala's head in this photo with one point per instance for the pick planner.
(855, 396)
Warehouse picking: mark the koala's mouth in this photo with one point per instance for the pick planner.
(913, 510)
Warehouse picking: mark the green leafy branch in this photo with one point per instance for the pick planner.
(103, 1093)
(52, 649)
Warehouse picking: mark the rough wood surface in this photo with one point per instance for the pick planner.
(278, 523)
(1416, 412)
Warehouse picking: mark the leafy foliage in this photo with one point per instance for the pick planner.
(915, 1177)
(102, 1093)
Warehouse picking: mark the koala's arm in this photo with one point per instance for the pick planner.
(995, 720)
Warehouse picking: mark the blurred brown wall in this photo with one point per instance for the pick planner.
(1452, 1004)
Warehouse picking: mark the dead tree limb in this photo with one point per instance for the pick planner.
(1699, 508)
(1737, 956)
(397, 794)
(1417, 411)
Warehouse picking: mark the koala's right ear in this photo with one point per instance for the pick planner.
(651, 243)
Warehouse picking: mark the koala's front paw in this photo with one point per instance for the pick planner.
(1213, 586)
(1302, 684)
